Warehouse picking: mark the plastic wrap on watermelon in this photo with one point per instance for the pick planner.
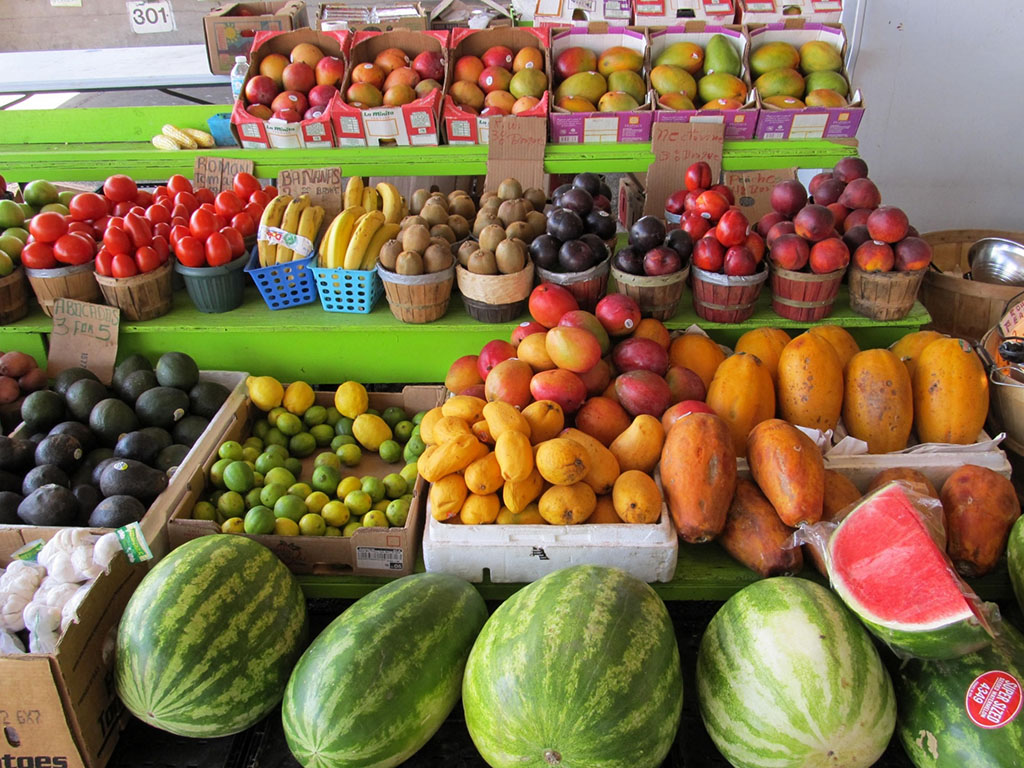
(886, 559)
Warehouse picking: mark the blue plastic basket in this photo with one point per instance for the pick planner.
(348, 290)
(284, 285)
(220, 129)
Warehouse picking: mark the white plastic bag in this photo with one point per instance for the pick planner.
(18, 584)
(10, 644)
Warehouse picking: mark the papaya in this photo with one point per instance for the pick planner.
(604, 467)
(788, 468)
(950, 393)
(755, 536)
(742, 393)
(810, 383)
(878, 403)
(697, 352)
(698, 473)
(981, 507)
(916, 480)
(840, 493)
(910, 347)
(842, 342)
(767, 345)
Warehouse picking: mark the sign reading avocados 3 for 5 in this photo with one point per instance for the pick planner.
(84, 335)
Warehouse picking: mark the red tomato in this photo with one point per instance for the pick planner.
(119, 188)
(177, 232)
(244, 184)
(202, 224)
(235, 240)
(81, 226)
(47, 227)
(137, 209)
(144, 198)
(190, 252)
(218, 250)
(88, 205)
(116, 240)
(122, 208)
(123, 265)
(186, 199)
(270, 191)
(162, 228)
(261, 198)
(204, 195)
(104, 260)
(255, 211)
(160, 246)
(161, 191)
(220, 221)
(244, 223)
(147, 259)
(157, 213)
(180, 211)
(101, 224)
(228, 204)
(178, 183)
(38, 256)
(138, 230)
(208, 207)
(97, 232)
(74, 249)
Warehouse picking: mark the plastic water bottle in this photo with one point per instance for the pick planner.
(238, 73)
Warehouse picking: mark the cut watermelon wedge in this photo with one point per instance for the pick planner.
(888, 570)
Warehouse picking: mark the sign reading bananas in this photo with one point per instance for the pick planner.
(323, 185)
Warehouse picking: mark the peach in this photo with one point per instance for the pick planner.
(468, 69)
(272, 66)
(839, 212)
(524, 104)
(401, 76)
(298, 76)
(888, 224)
(756, 245)
(501, 99)
(561, 386)
(597, 379)
(912, 253)
(391, 59)
(397, 95)
(643, 392)
(857, 218)
(467, 94)
(739, 261)
(509, 381)
(528, 57)
(829, 191)
(463, 373)
(873, 256)
(602, 418)
(494, 79)
(330, 70)
(307, 53)
(548, 302)
(492, 353)
(676, 411)
(854, 236)
(369, 73)
(814, 222)
(573, 349)
(769, 220)
(685, 384)
(790, 252)
(364, 94)
(818, 180)
(635, 354)
(850, 168)
(788, 197)
(778, 230)
(829, 255)
(618, 313)
(861, 193)
(526, 328)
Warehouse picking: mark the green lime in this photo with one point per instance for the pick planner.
(259, 521)
(325, 478)
(260, 429)
(284, 526)
(19, 232)
(316, 501)
(351, 528)
(381, 506)
(343, 426)
(347, 485)
(403, 431)
(323, 434)
(393, 415)
(215, 497)
(339, 440)
(394, 485)
(269, 494)
(238, 476)
(275, 413)
(65, 196)
(11, 245)
(55, 208)
(409, 474)
(233, 525)
(328, 459)
(39, 193)
(418, 417)
(332, 531)
(279, 475)
(350, 455)
(290, 507)
(302, 445)
(375, 518)
(277, 450)
(217, 472)
(390, 451)
(250, 454)
(373, 486)
(314, 415)
(312, 525)
(253, 442)
(333, 415)
(289, 424)
(335, 513)
(274, 436)
(6, 264)
(204, 510)
(372, 411)
(302, 490)
(231, 504)
(397, 512)
(266, 461)
(293, 465)
(257, 477)
(254, 497)
(413, 449)
(358, 502)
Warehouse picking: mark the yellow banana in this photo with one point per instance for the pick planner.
(353, 192)
(309, 223)
(371, 200)
(390, 202)
(325, 241)
(290, 223)
(272, 216)
(367, 227)
(387, 231)
(343, 233)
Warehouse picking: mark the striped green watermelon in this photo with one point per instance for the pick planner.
(207, 641)
(1015, 560)
(379, 681)
(935, 725)
(787, 678)
(579, 669)
(885, 565)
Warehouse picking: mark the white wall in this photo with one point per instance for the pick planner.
(943, 129)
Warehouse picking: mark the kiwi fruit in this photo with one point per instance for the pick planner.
(418, 200)
(482, 221)
(466, 250)
(416, 238)
(437, 258)
(482, 262)
(491, 206)
(520, 230)
(521, 243)
(491, 236)
(443, 231)
(408, 221)
(438, 198)
(536, 197)
(538, 221)
(487, 196)
(510, 189)
(434, 214)
(389, 254)
(510, 257)
(463, 206)
(409, 263)
(511, 210)
(459, 225)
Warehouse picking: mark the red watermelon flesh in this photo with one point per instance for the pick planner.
(889, 571)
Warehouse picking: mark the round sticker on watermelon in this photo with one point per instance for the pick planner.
(993, 699)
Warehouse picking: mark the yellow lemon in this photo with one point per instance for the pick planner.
(370, 431)
(285, 527)
(316, 501)
(349, 484)
(233, 525)
(298, 398)
(351, 399)
(265, 391)
(312, 525)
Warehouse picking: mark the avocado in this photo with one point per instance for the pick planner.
(115, 511)
(161, 407)
(88, 497)
(82, 397)
(9, 501)
(127, 367)
(16, 455)
(42, 410)
(178, 370)
(44, 474)
(132, 478)
(110, 419)
(77, 430)
(49, 505)
(206, 398)
(136, 384)
(160, 435)
(137, 445)
(69, 376)
(171, 457)
(9, 482)
(63, 450)
(188, 430)
(97, 471)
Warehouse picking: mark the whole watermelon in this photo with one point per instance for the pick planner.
(207, 641)
(935, 725)
(578, 669)
(378, 682)
(787, 677)
(1015, 560)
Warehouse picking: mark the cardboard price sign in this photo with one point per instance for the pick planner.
(676, 146)
(217, 173)
(323, 185)
(753, 189)
(84, 335)
(515, 150)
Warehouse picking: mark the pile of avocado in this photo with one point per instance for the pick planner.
(97, 456)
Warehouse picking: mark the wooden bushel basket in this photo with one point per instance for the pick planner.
(588, 286)
(13, 297)
(724, 298)
(884, 295)
(417, 298)
(78, 282)
(141, 297)
(804, 296)
(657, 296)
(495, 298)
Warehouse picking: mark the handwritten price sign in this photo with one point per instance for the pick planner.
(83, 335)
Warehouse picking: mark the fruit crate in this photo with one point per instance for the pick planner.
(290, 284)
(348, 290)
(154, 522)
(369, 552)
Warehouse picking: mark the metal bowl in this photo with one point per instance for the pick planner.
(996, 260)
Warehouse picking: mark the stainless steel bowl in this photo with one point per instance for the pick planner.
(996, 260)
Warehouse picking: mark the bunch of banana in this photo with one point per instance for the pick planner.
(369, 219)
(294, 215)
(173, 138)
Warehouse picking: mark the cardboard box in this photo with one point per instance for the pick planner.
(590, 127)
(370, 551)
(61, 709)
(414, 124)
(254, 133)
(360, 16)
(561, 13)
(739, 123)
(229, 35)
(809, 122)
(767, 11)
(474, 14)
(463, 127)
(668, 13)
(154, 522)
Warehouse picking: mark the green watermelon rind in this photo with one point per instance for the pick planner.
(933, 725)
(380, 680)
(209, 638)
(579, 668)
(787, 676)
(1015, 560)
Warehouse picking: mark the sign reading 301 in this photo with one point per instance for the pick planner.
(149, 16)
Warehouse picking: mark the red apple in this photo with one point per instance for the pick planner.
(790, 252)
(874, 256)
(429, 66)
(788, 197)
(839, 212)
(711, 205)
(661, 261)
(855, 236)
(261, 90)
(912, 253)
(698, 176)
(298, 76)
(739, 261)
(330, 70)
(708, 254)
(732, 228)
(828, 256)
(498, 56)
(290, 100)
(321, 95)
